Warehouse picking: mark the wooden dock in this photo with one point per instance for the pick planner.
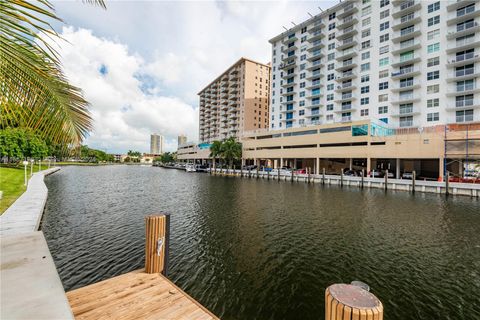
(135, 295)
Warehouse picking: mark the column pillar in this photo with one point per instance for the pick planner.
(441, 168)
(369, 165)
(317, 166)
(243, 162)
(281, 162)
(275, 164)
(397, 172)
(460, 168)
(350, 164)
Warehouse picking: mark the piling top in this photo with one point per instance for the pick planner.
(353, 296)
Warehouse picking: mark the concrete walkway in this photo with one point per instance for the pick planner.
(25, 213)
(30, 287)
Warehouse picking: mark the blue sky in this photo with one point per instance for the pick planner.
(141, 63)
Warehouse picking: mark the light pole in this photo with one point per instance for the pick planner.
(25, 164)
(39, 164)
(31, 166)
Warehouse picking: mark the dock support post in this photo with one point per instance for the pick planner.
(363, 173)
(341, 178)
(386, 180)
(413, 181)
(446, 183)
(268, 175)
(157, 238)
(257, 173)
(291, 178)
(278, 174)
(323, 176)
(349, 301)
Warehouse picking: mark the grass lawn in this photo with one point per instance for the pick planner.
(11, 183)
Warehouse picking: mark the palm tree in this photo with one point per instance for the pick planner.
(231, 150)
(215, 151)
(34, 92)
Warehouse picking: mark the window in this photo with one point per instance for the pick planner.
(330, 97)
(433, 62)
(434, 34)
(331, 66)
(364, 101)
(301, 112)
(383, 74)
(366, 22)
(464, 115)
(384, 3)
(384, 37)
(302, 94)
(302, 66)
(329, 117)
(384, 14)
(433, 89)
(365, 78)
(366, 44)
(329, 107)
(365, 89)
(434, 116)
(302, 75)
(434, 7)
(303, 39)
(464, 101)
(382, 109)
(304, 29)
(465, 10)
(364, 112)
(384, 49)
(433, 21)
(383, 85)
(384, 26)
(365, 55)
(332, 16)
(406, 121)
(365, 1)
(432, 103)
(433, 75)
(302, 84)
(331, 36)
(365, 33)
(465, 85)
(385, 120)
(330, 56)
(331, 76)
(384, 62)
(301, 103)
(331, 46)
(330, 87)
(331, 26)
(383, 98)
(409, 55)
(303, 57)
(365, 66)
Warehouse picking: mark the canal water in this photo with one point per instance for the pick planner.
(258, 249)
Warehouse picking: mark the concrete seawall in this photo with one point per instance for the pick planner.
(30, 287)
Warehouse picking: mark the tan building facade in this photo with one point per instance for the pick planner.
(235, 102)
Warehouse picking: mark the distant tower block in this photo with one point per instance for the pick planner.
(182, 139)
(156, 143)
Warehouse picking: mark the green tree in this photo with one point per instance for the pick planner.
(131, 153)
(20, 143)
(231, 150)
(34, 92)
(215, 151)
(166, 157)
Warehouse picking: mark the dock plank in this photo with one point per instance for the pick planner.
(135, 295)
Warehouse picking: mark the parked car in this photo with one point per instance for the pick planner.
(250, 167)
(301, 171)
(376, 174)
(391, 175)
(407, 175)
(266, 169)
(284, 171)
(351, 173)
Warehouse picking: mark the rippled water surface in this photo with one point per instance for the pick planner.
(257, 249)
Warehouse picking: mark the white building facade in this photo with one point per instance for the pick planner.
(156, 143)
(407, 63)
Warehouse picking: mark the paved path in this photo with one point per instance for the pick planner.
(25, 213)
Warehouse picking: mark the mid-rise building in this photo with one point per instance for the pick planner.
(182, 139)
(156, 143)
(236, 101)
(410, 64)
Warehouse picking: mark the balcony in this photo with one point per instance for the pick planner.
(317, 35)
(466, 74)
(291, 55)
(350, 42)
(346, 54)
(347, 75)
(346, 97)
(316, 45)
(463, 105)
(288, 83)
(349, 64)
(407, 123)
(464, 44)
(402, 35)
(289, 39)
(315, 55)
(315, 74)
(463, 59)
(405, 73)
(469, 88)
(314, 104)
(347, 10)
(406, 7)
(347, 32)
(315, 64)
(405, 85)
(314, 84)
(453, 5)
(290, 74)
(313, 95)
(460, 16)
(405, 111)
(345, 87)
(224, 106)
(347, 22)
(406, 20)
(290, 47)
(462, 30)
(316, 26)
(400, 99)
(314, 113)
(403, 61)
(288, 93)
(345, 108)
(286, 64)
(406, 46)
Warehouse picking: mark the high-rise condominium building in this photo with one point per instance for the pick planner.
(236, 101)
(182, 139)
(156, 143)
(408, 63)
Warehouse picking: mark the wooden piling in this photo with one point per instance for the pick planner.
(291, 177)
(157, 234)
(341, 178)
(386, 179)
(413, 181)
(362, 179)
(447, 178)
(278, 174)
(323, 176)
(347, 301)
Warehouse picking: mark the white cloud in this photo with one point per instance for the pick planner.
(124, 114)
